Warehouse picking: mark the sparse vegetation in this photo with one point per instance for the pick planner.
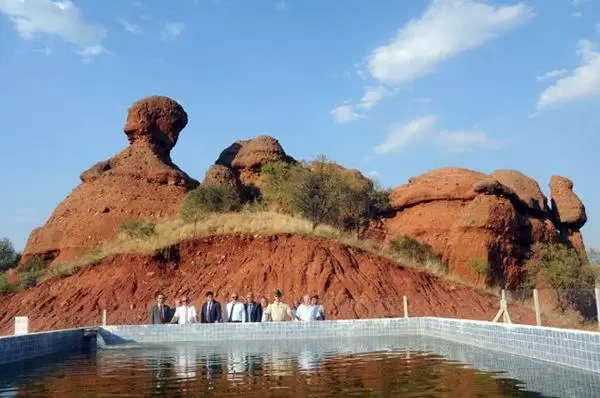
(408, 248)
(9, 257)
(5, 287)
(209, 199)
(138, 229)
(481, 266)
(563, 269)
(324, 193)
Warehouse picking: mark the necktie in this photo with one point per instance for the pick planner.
(209, 314)
(162, 315)
(231, 312)
(249, 315)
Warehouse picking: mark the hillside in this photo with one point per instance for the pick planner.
(352, 283)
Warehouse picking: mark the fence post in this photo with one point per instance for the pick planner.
(597, 294)
(536, 301)
(103, 317)
(405, 302)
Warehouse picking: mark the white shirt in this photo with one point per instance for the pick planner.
(236, 310)
(185, 314)
(307, 313)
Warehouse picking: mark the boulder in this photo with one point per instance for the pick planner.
(567, 209)
(466, 215)
(442, 184)
(157, 120)
(217, 175)
(526, 188)
(246, 157)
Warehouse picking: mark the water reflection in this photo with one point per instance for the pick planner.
(365, 367)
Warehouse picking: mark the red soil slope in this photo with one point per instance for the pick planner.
(352, 283)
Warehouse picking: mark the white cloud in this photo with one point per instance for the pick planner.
(282, 5)
(372, 96)
(401, 135)
(423, 129)
(552, 74)
(345, 114)
(373, 174)
(583, 82)
(577, 14)
(173, 30)
(447, 28)
(464, 141)
(131, 27)
(60, 18)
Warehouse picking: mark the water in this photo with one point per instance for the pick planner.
(374, 367)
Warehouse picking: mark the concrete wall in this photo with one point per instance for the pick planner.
(27, 346)
(572, 348)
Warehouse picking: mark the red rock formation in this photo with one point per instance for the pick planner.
(141, 182)
(351, 283)
(568, 210)
(220, 175)
(466, 215)
(246, 157)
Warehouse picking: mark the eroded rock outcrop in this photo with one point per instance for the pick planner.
(246, 157)
(141, 182)
(466, 215)
(568, 211)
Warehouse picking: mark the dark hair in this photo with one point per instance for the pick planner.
(315, 296)
(209, 294)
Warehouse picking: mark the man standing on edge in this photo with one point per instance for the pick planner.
(160, 313)
(186, 313)
(253, 310)
(278, 311)
(211, 310)
(234, 311)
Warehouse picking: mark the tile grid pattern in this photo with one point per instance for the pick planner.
(572, 348)
(577, 349)
(27, 346)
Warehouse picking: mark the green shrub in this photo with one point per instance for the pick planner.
(9, 257)
(409, 248)
(209, 199)
(281, 182)
(316, 201)
(564, 270)
(481, 266)
(35, 264)
(29, 279)
(138, 229)
(5, 287)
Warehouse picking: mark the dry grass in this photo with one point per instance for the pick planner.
(239, 223)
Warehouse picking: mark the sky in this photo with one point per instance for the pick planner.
(393, 88)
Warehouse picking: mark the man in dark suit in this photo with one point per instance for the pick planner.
(160, 312)
(253, 309)
(211, 310)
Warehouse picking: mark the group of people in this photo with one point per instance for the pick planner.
(236, 310)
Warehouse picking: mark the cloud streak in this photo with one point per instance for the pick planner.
(403, 135)
(58, 18)
(172, 30)
(446, 29)
(583, 82)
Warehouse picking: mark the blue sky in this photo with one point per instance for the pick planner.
(393, 88)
